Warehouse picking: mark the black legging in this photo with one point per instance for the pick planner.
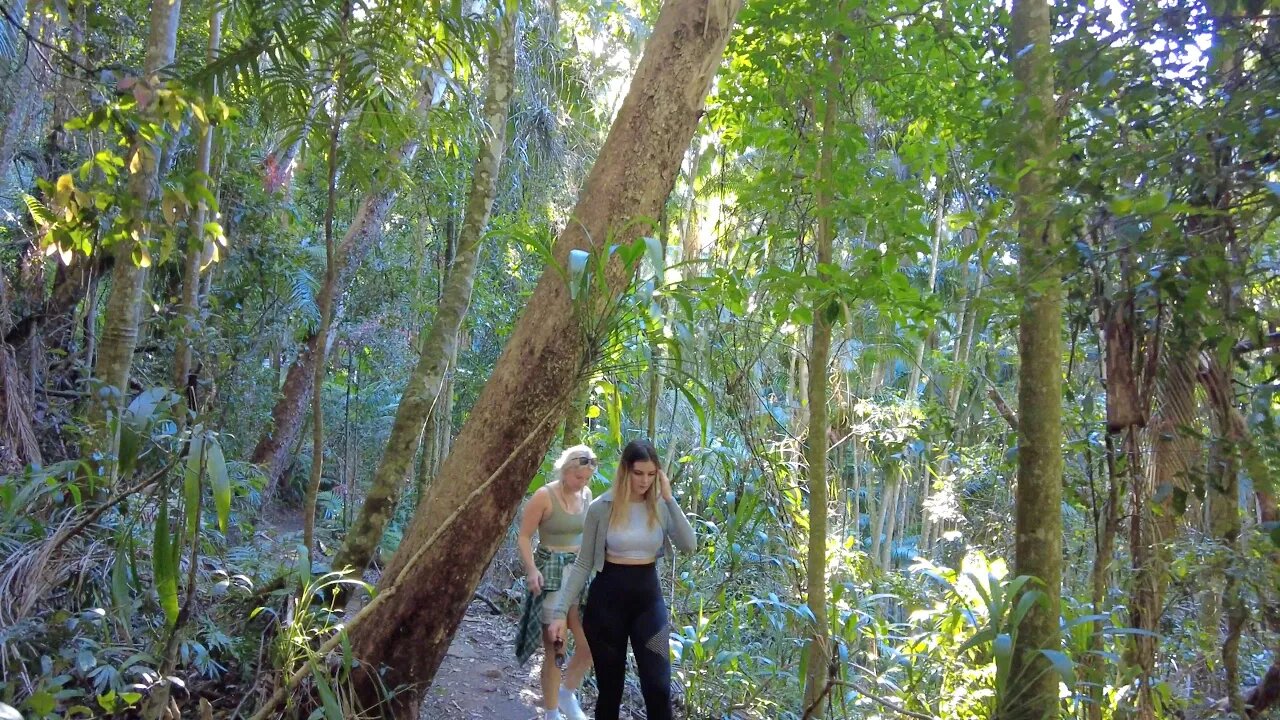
(625, 602)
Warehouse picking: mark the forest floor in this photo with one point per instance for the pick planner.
(480, 677)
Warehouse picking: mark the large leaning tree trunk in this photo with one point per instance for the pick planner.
(1032, 692)
(274, 446)
(459, 525)
(816, 682)
(440, 348)
(128, 278)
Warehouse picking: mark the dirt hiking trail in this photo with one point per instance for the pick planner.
(481, 680)
(480, 677)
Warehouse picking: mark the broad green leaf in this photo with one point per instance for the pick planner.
(577, 269)
(1062, 664)
(42, 703)
(216, 467)
(197, 465)
(1002, 649)
(164, 563)
(699, 410)
(130, 447)
(1025, 603)
(983, 637)
(615, 415)
(332, 710)
(348, 654)
(653, 246)
(1129, 631)
(143, 407)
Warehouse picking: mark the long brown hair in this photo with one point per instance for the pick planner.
(635, 451)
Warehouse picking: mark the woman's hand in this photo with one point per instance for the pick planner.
(556, 630)
(665, 486)
(535, 582)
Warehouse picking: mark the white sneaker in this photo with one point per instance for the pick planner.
(552, 715)
(569, 703)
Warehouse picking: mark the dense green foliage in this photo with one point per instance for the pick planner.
(178, 557)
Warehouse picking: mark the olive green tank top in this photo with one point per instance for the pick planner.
(561, 529)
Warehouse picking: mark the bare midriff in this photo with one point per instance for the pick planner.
(610, 557)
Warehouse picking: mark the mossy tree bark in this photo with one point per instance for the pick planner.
(128, 276)
(816, 440)
(1032, 693)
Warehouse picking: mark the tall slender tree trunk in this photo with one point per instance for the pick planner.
(440, 349)
(440, 420)
(1033, 686)
(128, 278)
(456, 530)
(1104, 550)
(891, 520)
(939, 224)
(189, 310)
(326, 299)
(1224, 512)
(856, 469)
(888, 496)
(816, 441)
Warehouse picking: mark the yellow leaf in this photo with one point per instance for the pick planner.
(66, 184)
(141, 257)
(135, 163)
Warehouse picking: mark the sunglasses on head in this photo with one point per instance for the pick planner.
(585, 461)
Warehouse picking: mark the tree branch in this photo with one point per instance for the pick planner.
(1003, 407)
(116, 500)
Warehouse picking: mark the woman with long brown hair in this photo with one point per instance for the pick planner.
(626, 530)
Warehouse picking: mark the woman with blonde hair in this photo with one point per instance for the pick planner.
(626, 530)
(556, 511)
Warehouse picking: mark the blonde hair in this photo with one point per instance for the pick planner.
(635, 451)
(571, 453)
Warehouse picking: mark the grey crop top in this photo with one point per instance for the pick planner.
(635, 540)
